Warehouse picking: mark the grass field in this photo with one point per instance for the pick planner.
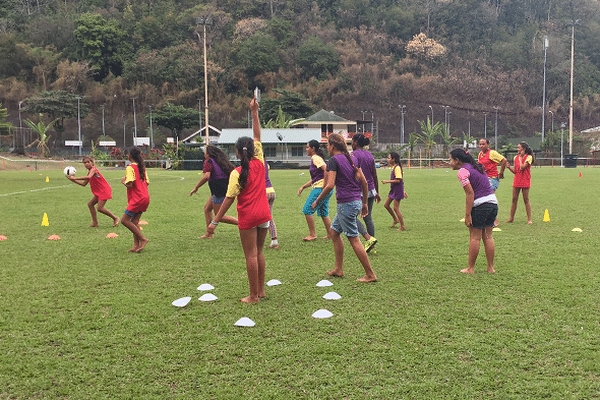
(82, 318)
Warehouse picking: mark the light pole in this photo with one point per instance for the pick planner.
(79, 122)
(431, 114)
(449, 114)
(496, 130)
(372, 127)
(134, 124)
(363, 120)
(552, 119)
(103, 130)
(485, 124)
(205, 21)
(544, 95)
(562, 130)
(445, 118)
(402, 110)
(151, 129)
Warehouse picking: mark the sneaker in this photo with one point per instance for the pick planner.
(370, 244)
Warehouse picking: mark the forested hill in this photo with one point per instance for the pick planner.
(359, 58)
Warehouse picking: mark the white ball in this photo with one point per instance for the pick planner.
(70, 171)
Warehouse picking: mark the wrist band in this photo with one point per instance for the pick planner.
(214, 223)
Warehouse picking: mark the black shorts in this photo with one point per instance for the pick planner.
(218, 187)
(484, 215)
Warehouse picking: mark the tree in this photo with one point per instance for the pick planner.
(282, 121)
(429, 133)
(447, 142)
(258, 54)
(175, 118)
(291, 103)
(317, 59)
(58, 104)
(102, 43)
(41, 129)
(413, 139)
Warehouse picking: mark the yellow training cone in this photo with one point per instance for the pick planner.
(546, 216)
(45, 220)
(47, 179)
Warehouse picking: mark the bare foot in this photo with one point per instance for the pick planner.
(309, 238)
(394, 224)
(116, 222)
(491, 270)
(467, 271)
(402, 228)
(334, 272)
(143, 244)
(262, 295)
(249, 299)
(206, 236)
(496, 223)
(94, 225)
(509, 221)
(132, 250)
(529, 222)
(367, 278)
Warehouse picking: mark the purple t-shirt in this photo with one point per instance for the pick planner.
(479, 182)
(268, 183)
(396, 189)
(366, 162)
(347, 188)
(216, 172)
(316, 174)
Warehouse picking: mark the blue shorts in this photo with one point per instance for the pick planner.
(345, 219)
(322, 208)
(484, 215)
(218, 200)
(494, 183)
(131, 213)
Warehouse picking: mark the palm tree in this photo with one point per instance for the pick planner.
(413, 140)
(41, 129)
(282, 121)
(428, 134)
(447, 142)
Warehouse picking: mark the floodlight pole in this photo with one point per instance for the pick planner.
(205, 21)
(485, 124)
(544, 92)
(134, 123)
(151, 129)
(103, 129)
(496, 130)
(402, 110)
(431, 114)
(79, 122)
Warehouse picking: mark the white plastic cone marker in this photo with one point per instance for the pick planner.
(322, 313)
(245, 321)
(324, 283)
(182, 302)
(576, 230)
(208, 297)
(496, 230)
(332, 296)
(273, 282)
(206, 286)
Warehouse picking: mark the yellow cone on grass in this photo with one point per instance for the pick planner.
(45, 220)
(546, 216)
(47, 179)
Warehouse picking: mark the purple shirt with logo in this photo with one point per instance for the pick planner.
(347, 188)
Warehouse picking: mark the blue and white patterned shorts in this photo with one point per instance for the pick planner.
(345, 219)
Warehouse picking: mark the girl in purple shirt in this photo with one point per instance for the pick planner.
(351, 194)
(481, 207)
(396, 194)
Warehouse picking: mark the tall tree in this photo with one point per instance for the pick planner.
(175, 118)
(42, 130)
(291, 104)
(317, 59)
(58, 104)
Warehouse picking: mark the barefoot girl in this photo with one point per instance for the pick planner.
(367, 166)
(396, 190)
(351, 194)
(247, 183)
(101, 191)
(317, 176)
(481, 207)
(522, 181)
(136, 181)
(216, 172)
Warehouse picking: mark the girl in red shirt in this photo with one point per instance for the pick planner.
(136, 181)
(101, 191)
(522, 181)
(247, 183)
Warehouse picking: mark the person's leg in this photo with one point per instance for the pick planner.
(226, 218)
(260, 258)
(131, 223)
(513, 205)
(249, 238)
(361, 229)
(141, 239)
(369, 217)
(91, 205)
(474, 240)
(103, 210)
(362, 256)
(323, 212)
(527, 205)
(208, 206)
(338, 249)
(312, 232)
(399, 215)
(386, 205)
(327, 223)
(272, 228)
(489, 247)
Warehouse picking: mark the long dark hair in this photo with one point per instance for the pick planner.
(396, 157)
(528, 150)
(219, 156)
(136, 154)
(466, 158)
(317, 147)
(339, 143)
(245, 148)
(361, 140)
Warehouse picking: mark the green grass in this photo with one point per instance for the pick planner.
(82, 318)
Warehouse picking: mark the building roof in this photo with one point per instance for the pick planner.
(303, 136)
(326, 117)
(592, 130)
(201, 131)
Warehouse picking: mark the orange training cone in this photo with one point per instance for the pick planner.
(53, 237)
(45, 220)
(2, 237)
(546, 216)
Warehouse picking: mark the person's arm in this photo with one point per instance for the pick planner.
(327, 187)
(470, 198)
(203, 180)
(526, 163)
(307, 184)
(376, 181)
(503, 165)
(365, 192)
(210, 229)
(84, 179)
(129, 177)
(255, 120)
